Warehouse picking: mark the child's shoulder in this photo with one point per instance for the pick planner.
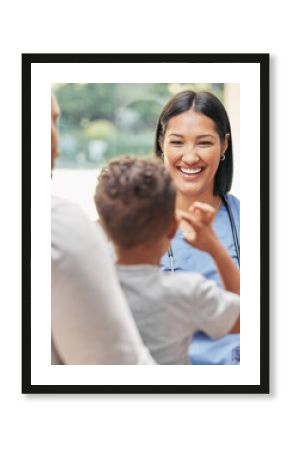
(192, 292)
(183, 284)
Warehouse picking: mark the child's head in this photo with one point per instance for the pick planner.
(135, 199)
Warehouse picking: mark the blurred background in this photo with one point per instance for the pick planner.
(99, 122)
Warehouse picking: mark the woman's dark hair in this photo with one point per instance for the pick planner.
(209, 105)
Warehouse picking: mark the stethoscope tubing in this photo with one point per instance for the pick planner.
(233, 227)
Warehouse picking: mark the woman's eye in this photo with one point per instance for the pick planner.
(176, 142)
(205, 143)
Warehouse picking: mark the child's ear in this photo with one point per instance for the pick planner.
(172, 228)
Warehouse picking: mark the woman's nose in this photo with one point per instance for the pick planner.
(190, 156)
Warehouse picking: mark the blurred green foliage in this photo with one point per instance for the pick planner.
(102, 121)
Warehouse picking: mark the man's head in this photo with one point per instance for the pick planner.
(54, 134)
(135, 199)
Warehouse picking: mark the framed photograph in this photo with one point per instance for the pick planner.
(110, 107)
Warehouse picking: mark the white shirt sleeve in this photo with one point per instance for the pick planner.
(215, 310)
(91, 322)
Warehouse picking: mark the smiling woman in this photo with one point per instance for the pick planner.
(193, 137)
(192, 152)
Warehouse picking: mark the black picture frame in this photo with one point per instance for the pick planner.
(263, 61)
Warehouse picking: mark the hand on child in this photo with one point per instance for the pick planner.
(196, 226)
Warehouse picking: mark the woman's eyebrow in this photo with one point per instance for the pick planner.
(204, 135)
(197, 137)
(175, 134)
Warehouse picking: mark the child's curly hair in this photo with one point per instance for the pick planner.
(135, 199)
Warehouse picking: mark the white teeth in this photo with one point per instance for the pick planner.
(189, 171)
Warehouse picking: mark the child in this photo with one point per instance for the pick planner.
(135, 199)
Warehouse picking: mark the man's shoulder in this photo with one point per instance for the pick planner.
(71, 230)
(59, 205)
(67, 214)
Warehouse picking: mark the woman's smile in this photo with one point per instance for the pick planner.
(190, 173)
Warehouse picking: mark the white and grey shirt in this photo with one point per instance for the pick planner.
(170, 308)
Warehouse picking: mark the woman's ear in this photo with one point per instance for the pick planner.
(226, 143)
(161, 142)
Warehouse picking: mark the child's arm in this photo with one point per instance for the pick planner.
(202, 236)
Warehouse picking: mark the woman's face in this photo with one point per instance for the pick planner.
(192, 151)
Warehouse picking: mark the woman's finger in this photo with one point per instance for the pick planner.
(203, 206)
(205, 212)
(191, 219)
